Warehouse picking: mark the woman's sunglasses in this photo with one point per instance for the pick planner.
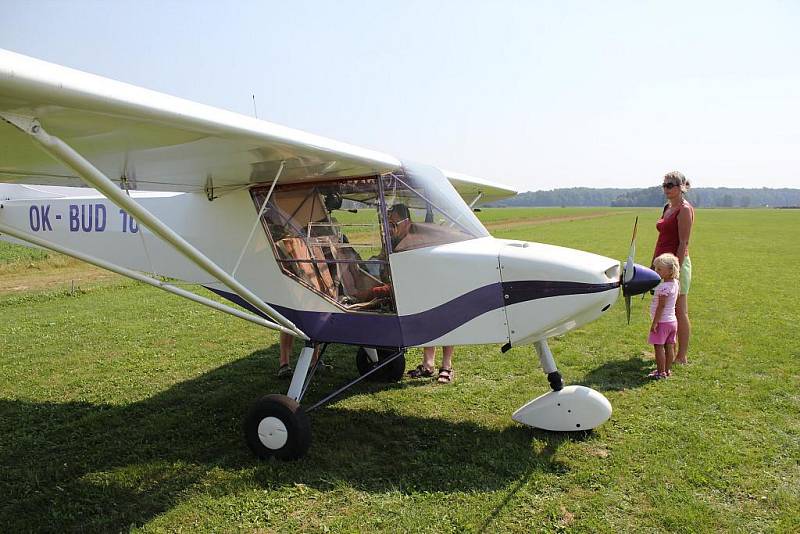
(669, 185)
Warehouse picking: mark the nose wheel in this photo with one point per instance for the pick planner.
(277, 426)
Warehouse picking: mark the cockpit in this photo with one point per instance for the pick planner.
(336, 237)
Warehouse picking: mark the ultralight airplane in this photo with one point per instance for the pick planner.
(321, 240)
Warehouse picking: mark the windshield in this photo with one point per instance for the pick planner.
(425, 210)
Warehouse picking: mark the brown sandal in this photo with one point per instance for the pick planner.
(420, 371)
(445, 375)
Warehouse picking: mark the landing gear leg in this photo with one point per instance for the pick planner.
(549, 365)
(565, 408)
(277, 426)
(372, 354)
(301, 372)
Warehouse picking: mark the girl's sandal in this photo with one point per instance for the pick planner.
(445, 375)
(420, 371)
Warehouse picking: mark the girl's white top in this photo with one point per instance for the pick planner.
(667, 292)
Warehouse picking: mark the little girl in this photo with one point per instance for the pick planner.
(662, 310)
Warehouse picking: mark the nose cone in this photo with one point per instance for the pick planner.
(549, 290)
(643, 280)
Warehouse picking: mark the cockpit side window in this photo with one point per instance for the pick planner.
(329, 237)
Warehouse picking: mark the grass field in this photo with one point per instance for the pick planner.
(120, 408)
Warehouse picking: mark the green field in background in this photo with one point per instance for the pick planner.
(121, 408)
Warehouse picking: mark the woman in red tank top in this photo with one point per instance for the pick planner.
(674, 229)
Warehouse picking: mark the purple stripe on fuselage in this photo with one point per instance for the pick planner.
(425, 326)
(525, 290)
(349, 328)
(387, 330)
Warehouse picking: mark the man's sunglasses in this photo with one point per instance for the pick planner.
(393, 224)
(669, 185)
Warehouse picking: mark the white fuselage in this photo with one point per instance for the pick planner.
(478, 291)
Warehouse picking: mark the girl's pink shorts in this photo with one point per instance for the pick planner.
(664, 334)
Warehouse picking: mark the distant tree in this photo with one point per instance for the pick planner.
(576, 196)
(654, 196)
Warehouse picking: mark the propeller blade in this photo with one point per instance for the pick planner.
(635, 279)
(628, 308)
(628, 271)
(633, 237)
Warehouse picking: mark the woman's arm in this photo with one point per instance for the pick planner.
(684, 232)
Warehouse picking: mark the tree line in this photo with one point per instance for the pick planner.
(708, 197)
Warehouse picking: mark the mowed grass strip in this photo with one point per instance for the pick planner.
(26, 270)
(10, 253)
(120, 408)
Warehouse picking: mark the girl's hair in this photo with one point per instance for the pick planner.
(677, 178)
(669, 261)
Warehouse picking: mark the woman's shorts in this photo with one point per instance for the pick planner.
(664, 334)
(686, 276)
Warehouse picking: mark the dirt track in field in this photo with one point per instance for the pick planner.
(508, 224)
(52, 274)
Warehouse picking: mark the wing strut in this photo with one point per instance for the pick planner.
(258, 218)
(91, 175)
(477, 198)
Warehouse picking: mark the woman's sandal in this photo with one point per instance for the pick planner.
(445, 375)
(420, 371)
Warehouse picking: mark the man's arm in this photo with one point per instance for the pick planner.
(380, 291)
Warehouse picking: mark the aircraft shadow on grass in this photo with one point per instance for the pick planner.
(618, 375)
(84, 466)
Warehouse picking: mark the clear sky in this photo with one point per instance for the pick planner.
(535, 94)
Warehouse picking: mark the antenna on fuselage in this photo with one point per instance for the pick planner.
(255, 110)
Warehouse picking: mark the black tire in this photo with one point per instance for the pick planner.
(285, 432)
(390, 373)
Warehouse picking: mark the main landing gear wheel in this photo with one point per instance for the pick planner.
(277, 426)
(389, 373)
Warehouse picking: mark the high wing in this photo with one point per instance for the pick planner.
(62, 127)
(477, 191)
(156, 142)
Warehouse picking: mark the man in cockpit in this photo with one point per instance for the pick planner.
(408, 235)
(401, 229)
(403, 235)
